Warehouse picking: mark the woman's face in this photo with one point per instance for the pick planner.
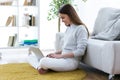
(65, 18)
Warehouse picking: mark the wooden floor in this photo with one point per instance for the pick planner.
(92, 74)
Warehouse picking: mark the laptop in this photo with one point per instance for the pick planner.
(35, 54)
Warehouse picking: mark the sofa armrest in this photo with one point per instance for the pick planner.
(103, 55)
(59, 40)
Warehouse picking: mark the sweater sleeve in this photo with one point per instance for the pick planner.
(82, 38)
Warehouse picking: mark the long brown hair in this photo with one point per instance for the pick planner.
(70, 11)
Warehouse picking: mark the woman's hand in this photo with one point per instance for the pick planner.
(66, 55)
(53, 55)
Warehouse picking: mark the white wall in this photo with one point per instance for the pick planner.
(47, 28)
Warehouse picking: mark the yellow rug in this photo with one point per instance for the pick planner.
(23, 71)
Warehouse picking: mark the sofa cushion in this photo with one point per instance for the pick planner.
(107, 24)
(111, 33)
(59, 40)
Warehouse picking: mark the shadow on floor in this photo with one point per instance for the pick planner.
(95, 74)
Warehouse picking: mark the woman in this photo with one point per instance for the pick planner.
(75, 42)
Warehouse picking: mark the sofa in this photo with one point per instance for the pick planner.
(103, 49)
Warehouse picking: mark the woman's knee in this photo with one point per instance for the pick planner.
(43, 62)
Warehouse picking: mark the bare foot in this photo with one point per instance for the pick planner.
(42, 71)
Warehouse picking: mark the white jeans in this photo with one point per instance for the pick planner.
(58, 64)
(62, 64)
(33, 61)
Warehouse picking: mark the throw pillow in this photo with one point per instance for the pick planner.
(104, 15)
(110, 33)
(107, 24)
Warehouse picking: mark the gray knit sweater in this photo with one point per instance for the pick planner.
(75, 40)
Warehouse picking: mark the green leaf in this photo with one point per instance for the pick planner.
(55, 5)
